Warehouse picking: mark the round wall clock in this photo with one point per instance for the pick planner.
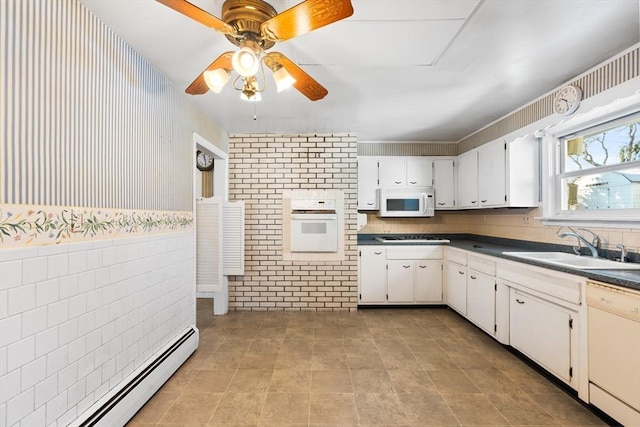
(567, 100)
(204, 161)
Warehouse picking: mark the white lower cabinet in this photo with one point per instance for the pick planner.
(481, 300)
(400, 275)
(545, 311)
(400, 281)
(372, 274)
(457, 287)
(542, 331)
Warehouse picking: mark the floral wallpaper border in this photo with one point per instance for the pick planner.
(29, 225)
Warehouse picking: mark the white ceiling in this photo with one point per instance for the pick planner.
(397, 70)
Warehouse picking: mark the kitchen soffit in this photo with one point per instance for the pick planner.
(491, 57)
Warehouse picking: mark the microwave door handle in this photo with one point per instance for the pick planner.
(424, 201)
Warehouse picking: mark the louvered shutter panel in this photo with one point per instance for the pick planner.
(233, 236)
(209, 245)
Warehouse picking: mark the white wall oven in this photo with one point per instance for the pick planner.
(406, 202)
(314, 225)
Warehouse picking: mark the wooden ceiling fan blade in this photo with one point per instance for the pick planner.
(194, 12)
(305, 17)
(199, 86)
(304, 83)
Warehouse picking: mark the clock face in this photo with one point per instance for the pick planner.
(567, 100)
(204, 161)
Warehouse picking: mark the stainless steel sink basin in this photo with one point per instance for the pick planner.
(564, 259)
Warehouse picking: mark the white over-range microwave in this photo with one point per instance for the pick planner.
(406, 202)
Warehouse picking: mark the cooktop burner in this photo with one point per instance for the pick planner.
(411, 238)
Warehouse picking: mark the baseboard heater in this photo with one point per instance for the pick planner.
(121, 404)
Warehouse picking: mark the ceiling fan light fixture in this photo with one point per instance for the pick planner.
(246, 61)
(216, 79)
(251, 96)
(283, 79)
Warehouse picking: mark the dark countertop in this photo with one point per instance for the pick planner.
(495, 246)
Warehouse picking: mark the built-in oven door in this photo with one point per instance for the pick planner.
(314, 232)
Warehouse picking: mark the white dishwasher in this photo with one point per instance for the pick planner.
(614, 351)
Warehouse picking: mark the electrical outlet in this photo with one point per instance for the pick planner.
(526, 219)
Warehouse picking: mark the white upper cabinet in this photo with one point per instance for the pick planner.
(406, 171)
(444, 183)
(492, 186)
(393, 172)
(468, 180)
(367, 183)
(419, 172)
(499, 174)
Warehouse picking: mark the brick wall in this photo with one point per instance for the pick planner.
(261, 168)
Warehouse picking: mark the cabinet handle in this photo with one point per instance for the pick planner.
(440, 203)
(398, 182)
(474, 201)
(460, 272)
(422, 266)
(604, 300)
(370, 204)
(378, 253)
(484, 201)
(406, 266)
(473, 277)
(519, 302)
(413, 182)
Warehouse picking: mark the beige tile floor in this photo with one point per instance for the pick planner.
(400, 367)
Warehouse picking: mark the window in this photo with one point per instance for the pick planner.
(598, 169)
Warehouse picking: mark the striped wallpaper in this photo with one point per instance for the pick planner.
(86, 121)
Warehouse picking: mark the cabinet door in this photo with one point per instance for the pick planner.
(444, 183)
(400, 276)
(481, 297)
(372, 275)
(457, 287)
(468, 180)
(367, 183)
(541, 330)
(419, 172)
(392, 172)
(492, 171)
(428, 281)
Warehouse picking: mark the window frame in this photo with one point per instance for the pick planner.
(554, 155)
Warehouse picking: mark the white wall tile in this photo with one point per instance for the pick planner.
(19, 407)
(56, 407)
(3, 361)
(46, 341)
(21, 352)
(34, 270)
(46, 292)
(10, 385)
(21, 299)
(3, 415)
(57, 265)
(36, 418)
(34, 321)
(33, 373)
(68, 331)
(67, 377)
(86, 281)
(11, 328)
(57, 360)
(68, 286)
(4, 301)
(46, 390)
(10, 274)
(77, 305)
(58, 312)
(77, 262)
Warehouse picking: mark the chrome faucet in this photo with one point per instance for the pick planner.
(593, 245)
(623, 252)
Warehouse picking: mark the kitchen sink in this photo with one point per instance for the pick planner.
(567, 260)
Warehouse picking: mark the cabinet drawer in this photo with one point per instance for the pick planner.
(414, 252)
(482, 265)
(458, 257)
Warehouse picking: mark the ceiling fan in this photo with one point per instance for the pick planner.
(255, 26)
